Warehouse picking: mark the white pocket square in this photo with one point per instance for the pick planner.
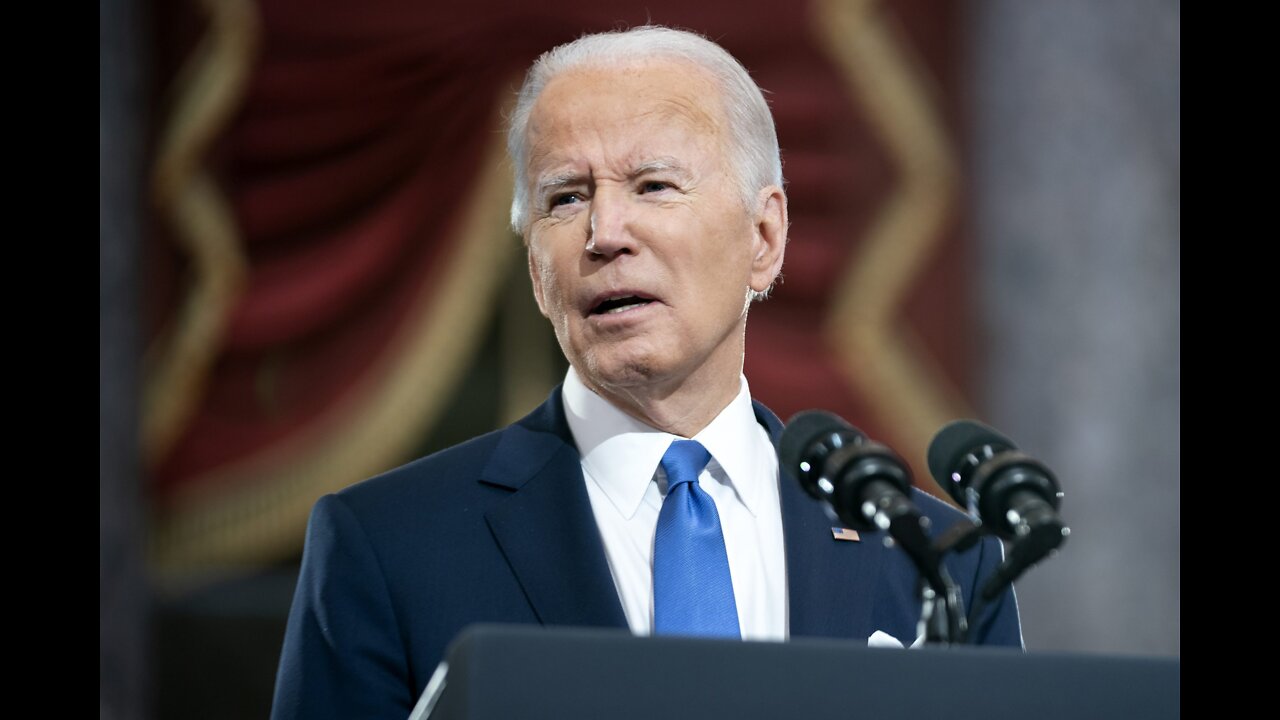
(881, 638)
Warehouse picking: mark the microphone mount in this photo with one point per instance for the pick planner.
(867, 487)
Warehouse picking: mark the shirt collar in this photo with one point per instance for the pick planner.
(621, 453)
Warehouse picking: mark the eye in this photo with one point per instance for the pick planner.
(564, 199)
(652, 186)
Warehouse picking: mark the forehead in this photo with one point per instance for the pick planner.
(627, 112)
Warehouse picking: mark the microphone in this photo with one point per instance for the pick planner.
(864, 482)
(868, 487)
(984, 471)
(1014, 495)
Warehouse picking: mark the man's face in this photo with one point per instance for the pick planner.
(640, 247)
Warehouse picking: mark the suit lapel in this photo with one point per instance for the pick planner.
(548, 534)
(830, 583)
(546, 528)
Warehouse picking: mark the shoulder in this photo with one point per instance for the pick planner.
(462, 480)
(990, 623)
(941, 514)
(427, 479)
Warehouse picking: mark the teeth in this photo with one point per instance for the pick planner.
(620, 303)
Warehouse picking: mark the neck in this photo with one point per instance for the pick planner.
(681, 408)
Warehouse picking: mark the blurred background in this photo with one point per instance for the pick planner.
(306, 278)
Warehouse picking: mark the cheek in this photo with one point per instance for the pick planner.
(551, 291)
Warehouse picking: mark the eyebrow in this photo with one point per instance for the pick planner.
(662, 164)
(558, 181)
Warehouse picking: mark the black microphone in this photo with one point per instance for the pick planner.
(983, 470)
(868, 487)
(838, 464)
(865, 483)
(1014, 495)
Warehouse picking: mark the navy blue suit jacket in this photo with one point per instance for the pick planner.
(500, 529)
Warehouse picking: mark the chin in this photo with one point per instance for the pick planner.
(624, 373)
(611, 370)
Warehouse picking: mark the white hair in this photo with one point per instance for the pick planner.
(752, 143)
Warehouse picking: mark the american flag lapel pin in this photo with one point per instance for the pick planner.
(845, 534)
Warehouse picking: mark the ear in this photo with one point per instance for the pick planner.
(770, 237)
(535, 277)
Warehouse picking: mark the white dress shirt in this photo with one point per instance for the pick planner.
(626, 484)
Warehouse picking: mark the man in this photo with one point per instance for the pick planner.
(649, 195)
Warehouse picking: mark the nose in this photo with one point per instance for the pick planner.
(610, 233)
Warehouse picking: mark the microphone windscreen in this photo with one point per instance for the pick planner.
(802, 430)
(957, 439)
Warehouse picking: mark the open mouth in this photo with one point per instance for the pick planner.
(619, 304)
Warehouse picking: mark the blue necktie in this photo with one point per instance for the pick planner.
(692, 588)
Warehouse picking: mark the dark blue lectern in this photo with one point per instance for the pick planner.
(502, 672)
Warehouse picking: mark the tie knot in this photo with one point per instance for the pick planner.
(683, 462)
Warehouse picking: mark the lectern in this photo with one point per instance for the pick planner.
(495, 672)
